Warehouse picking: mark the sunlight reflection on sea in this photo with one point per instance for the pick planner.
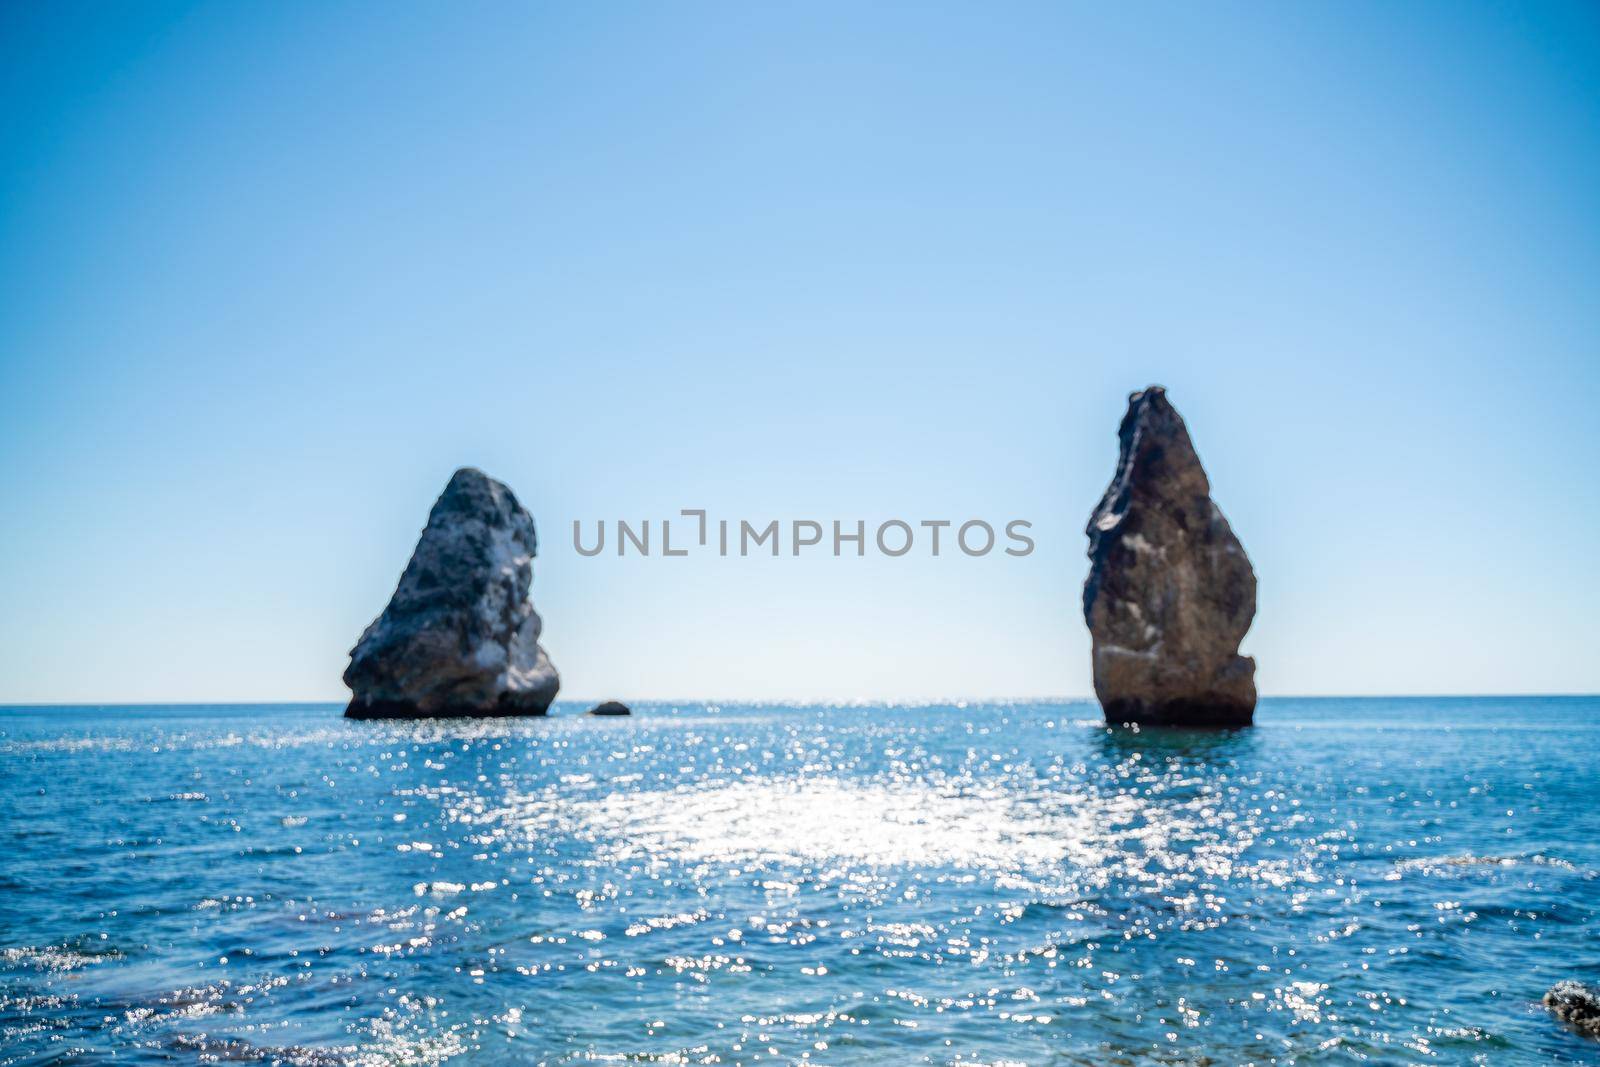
(1007, 883)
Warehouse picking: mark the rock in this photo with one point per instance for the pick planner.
(1575, 1004)
(460, 636)
(610, 707)
(1170, 593)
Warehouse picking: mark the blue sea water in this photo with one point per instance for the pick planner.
(1361, 880)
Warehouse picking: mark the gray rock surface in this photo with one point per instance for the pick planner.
(460, 636)
(1577, 1005)
(1170, 593)
(611, 707)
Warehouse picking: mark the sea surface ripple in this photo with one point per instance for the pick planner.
(1363, 880)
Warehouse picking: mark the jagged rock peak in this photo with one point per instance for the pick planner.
(460, 635)
(1170, 592)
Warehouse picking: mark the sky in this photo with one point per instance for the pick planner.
(270, 272)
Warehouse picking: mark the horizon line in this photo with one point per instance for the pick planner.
(750, 702)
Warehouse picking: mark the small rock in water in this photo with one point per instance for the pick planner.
(1170, 593)
(1575, 1004)
(611, 707)
(460, 636)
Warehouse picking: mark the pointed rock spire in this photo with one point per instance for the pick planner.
(1170, 592)
(460, 636)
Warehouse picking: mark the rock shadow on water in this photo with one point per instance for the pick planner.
(1121, 742)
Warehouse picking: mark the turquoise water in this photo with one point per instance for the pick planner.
(1389, 881)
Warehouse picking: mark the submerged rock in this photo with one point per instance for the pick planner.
(1575, 1004)
(460, 636)
(611, 707)
(1170, 593)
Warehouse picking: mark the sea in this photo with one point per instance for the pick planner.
(1381, 881)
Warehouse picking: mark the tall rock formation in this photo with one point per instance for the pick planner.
(1170, 592)
(460, 636)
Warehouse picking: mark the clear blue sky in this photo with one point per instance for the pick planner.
(270, 272)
